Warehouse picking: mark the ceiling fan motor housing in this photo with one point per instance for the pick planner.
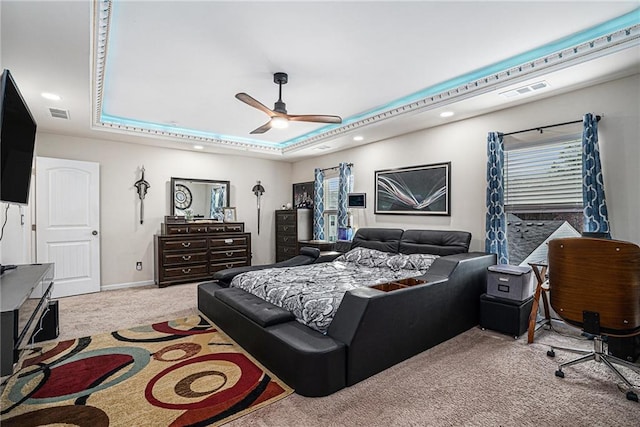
(280, 78)
(280, 107)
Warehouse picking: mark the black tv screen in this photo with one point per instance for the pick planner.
(17, 141)
(357, 200)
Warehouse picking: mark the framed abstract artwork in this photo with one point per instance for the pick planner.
(416, 190)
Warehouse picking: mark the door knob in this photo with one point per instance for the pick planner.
(94, 232)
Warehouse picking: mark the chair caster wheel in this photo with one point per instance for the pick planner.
(632, 396)
(551, 353)
(560, 374)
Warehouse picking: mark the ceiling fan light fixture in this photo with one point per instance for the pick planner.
(279, 122)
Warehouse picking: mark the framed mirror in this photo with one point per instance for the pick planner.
(199, 198)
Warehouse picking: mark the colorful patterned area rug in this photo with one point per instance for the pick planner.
(184, 372)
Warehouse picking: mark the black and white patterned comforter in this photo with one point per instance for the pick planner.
(314, 292)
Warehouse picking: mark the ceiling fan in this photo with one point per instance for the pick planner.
(279, 117)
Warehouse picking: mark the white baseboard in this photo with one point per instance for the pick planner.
(126, 285)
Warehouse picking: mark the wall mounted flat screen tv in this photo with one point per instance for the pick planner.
(357, 200)
(17, 141)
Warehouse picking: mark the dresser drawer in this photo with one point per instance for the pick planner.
(186, 272)
(198, 229)
(288, 217)
(191, 244)
(185, 258)
(231, 253)
(217, 266)
(286, 252)
(286, 240)
(230, 241)
(218, 228)
(177, 229)
(289, 229)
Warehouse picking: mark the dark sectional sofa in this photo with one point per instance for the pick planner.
(372, 329)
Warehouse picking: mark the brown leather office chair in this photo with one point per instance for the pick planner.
(594, 284)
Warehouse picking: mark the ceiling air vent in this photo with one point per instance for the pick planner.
(59, 114)
(525, 89)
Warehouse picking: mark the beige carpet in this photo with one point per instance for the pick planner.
(480, 378)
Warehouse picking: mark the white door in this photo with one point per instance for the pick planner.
(67, 223)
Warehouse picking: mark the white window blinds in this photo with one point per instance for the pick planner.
(331, 193)
(544, 177)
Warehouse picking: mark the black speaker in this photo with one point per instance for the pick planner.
(627, 348)
(49, 329)
(505, 315)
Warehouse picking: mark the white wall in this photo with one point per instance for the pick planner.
(464, 144)
(124, 240)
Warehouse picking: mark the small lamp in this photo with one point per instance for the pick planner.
(258, 190)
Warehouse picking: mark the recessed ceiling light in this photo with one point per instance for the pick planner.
(198, 147)
(50, 96)
(446, 114)
(358, 138)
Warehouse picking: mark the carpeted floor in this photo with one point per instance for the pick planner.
(480, 378)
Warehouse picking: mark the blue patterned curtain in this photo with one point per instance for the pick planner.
(595, 208)
(496, 227)
(344, 180)
(318, 205)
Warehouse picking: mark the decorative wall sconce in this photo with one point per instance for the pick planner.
(142, 186)
(258, 190)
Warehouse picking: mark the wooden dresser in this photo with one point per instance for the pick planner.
(291, 225)
(192, 251)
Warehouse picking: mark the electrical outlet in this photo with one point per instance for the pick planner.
(139, 265)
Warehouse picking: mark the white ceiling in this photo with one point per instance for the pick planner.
(387, 68)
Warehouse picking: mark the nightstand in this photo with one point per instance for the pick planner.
(505, 315)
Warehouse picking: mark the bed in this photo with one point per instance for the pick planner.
(320, 336)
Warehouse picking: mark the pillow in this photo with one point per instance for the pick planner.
(365, 257)
(420, 262)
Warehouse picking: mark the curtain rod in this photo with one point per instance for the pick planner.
(539, 128)
(335, 167)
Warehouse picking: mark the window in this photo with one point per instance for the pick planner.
(331, 185)
(543, 194)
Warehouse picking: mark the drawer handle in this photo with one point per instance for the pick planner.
(229, 265)
(228, 253)
(186, 270)
(186, 244)
(228, 241)
(186, 257)
(286, 239)
(285, 228)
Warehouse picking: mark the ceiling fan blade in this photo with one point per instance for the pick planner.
(248, 99)
(262, 129)
(318, 118)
